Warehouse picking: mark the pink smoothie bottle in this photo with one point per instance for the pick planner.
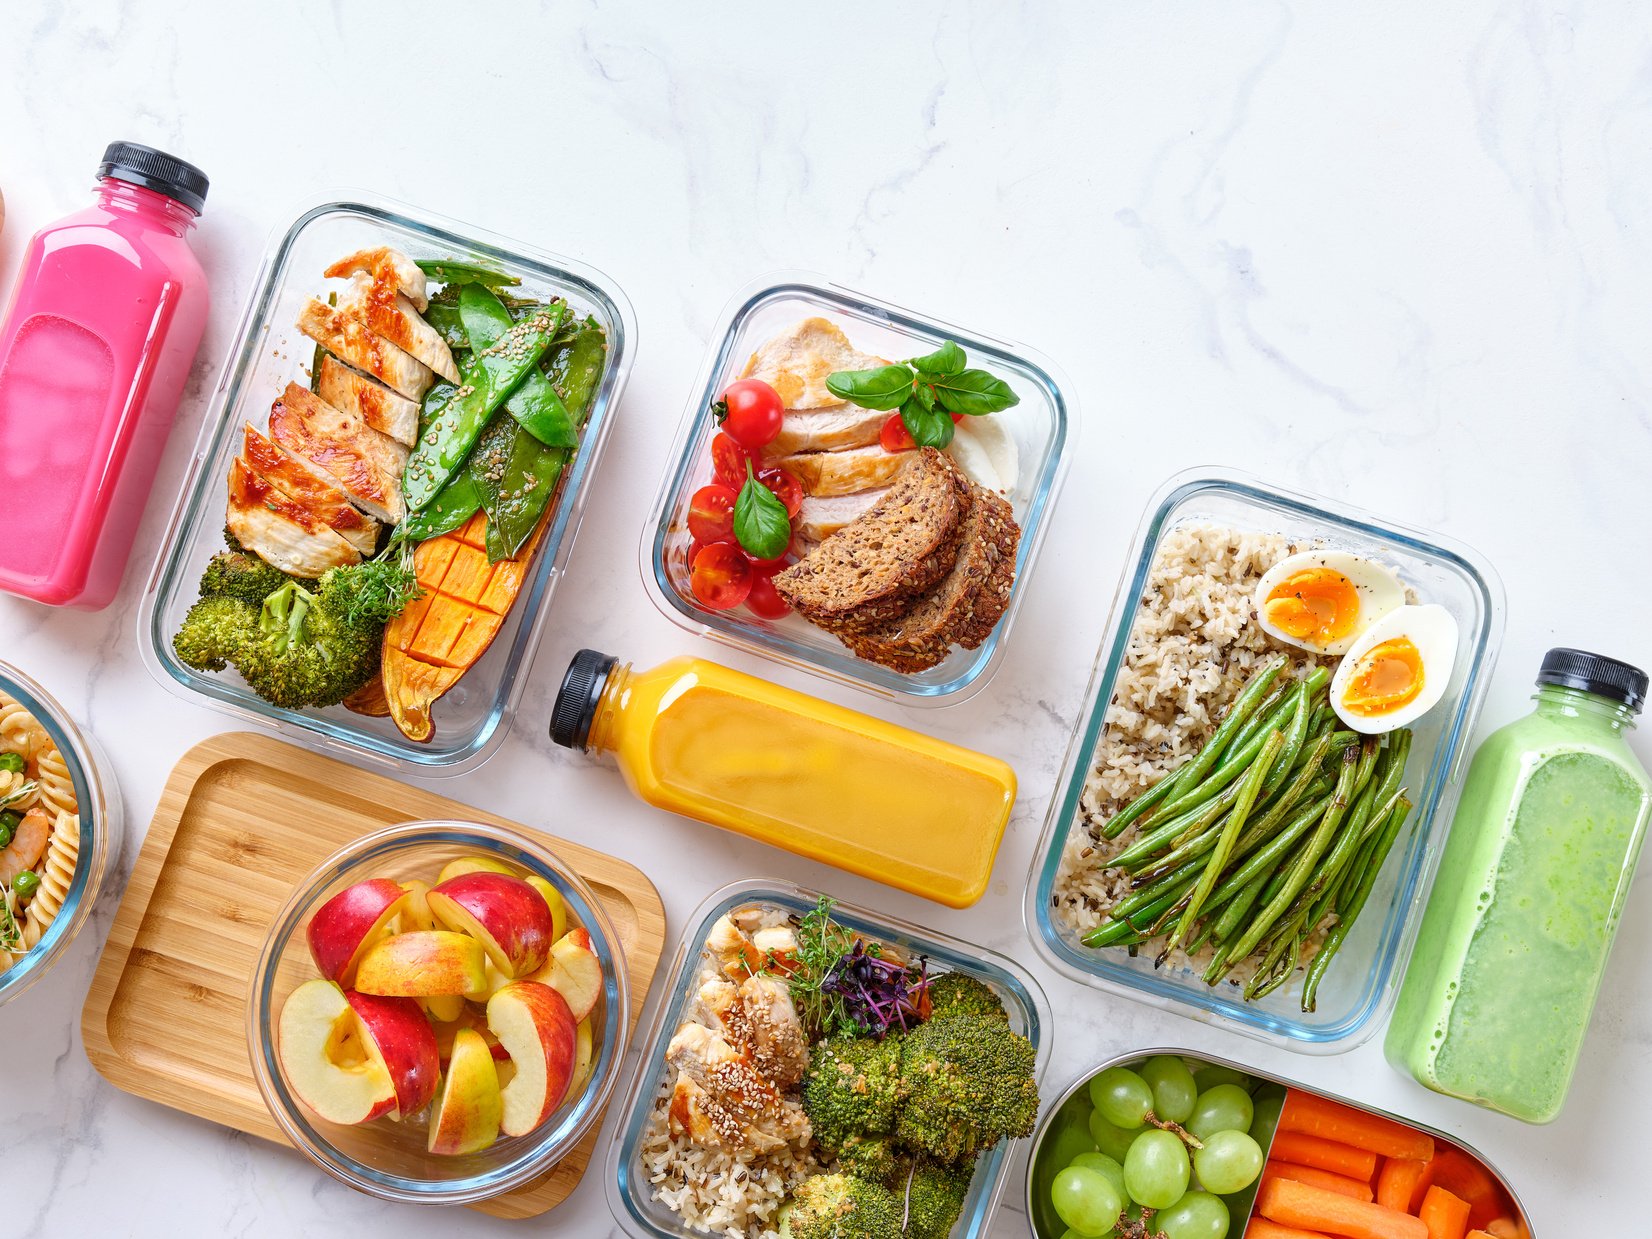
(94, 352)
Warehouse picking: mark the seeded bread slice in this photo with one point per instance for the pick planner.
(964, 607)
(872, 569)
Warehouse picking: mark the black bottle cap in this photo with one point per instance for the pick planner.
(576, 700)
(165, 174)
(1595, 673)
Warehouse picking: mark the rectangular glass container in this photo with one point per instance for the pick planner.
(1041, 426)
(269, 351)
(1360, 985)
(629, 1194)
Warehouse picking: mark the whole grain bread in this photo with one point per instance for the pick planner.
(964, 607)
(872, 570)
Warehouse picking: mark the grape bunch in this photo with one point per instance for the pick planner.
(1157, 1151)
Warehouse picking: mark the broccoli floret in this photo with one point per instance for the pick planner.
(965, 1085)
(852, 1088)
(875, 1159)
(932, 1197)
(955, 993)
(839, 1206)
(239, 575)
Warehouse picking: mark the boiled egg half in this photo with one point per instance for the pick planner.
(1397, 670)
(1323, 600)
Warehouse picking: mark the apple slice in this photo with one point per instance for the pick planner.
(344, 927)
(506, 915)
(444, 1008)
(422, 963)
(583, 1055)
(574, 971)
(466, 1117)
(496, 981)
(533, 1023)
(555, 902)
(325, 1056)
(473, 864)
(401, 1039)
(416, 913)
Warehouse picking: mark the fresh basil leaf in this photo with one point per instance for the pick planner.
(946, 360)
(929, 427)
(924, 394)
(974, 392)
(760, 521)
(884, 388)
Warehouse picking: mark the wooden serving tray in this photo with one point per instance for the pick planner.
(244, 817)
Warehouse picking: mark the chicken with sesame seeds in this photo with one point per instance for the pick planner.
(745, 1109)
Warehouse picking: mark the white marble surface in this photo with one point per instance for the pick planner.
(1396, 253)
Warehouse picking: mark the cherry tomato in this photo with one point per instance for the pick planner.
(728, 460)
(752, 412)
(711, 514)
(786, 488)
(956, 418)
(894, 435)
(721, 576)
(768, 567)
(764, 600)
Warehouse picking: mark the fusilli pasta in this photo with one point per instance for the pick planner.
(39, 878)
(57, 873)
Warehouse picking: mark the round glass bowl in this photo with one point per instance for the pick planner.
(101, 820)
(388, 1159)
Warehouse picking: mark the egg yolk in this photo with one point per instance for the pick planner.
(1317, 605)
(1387, 676)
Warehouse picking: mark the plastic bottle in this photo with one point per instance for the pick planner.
(788, 769)
(1514, 943)
(94, 352)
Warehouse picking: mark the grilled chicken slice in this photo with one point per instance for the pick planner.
(797, 362)
(280, 530)
(826, 430)
(366, 464)
(819, 518)
(375, 300)
(758, 1019)
(733, 948)
(687, 1114)
(844, 473)
(368, 399)
(351, 339)
(409, 278)
(300, 482)
(746, 1109)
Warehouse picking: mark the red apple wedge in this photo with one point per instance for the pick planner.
(350, 922)
(554, 901)
(574, 971)
(325, 1057)
(584, 1046)
(465, 1118)
(401, 1039)
(422, 963)
(533, 1023)
(507, 916)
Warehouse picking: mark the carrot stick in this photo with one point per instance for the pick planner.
(1331, 1120)
(1402, 1183)
(1445, 1215)
(1261, 1228)
(1301, 1149)
(1301, 1204)
(1465, 1178)
(1340, 1184)
(1473, 1234)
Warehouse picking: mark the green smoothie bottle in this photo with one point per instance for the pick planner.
(1514, 942)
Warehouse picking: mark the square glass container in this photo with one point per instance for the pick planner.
(473, 719)
(1360, 985)
(1041, 426)
(630, 1194)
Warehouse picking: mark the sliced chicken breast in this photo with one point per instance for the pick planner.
(375, 300)
(688, 1114)
(409, 278)
(279, 530)
(847, 472)
(368, 399)
(746, 1109)
(315, 491)
(819, 518)
(797, 362)
(353, 341)
(826, 430)
(365, 463)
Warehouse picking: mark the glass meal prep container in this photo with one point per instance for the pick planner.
(1074, 1105)
(269, 351)
(1041, 425)
(1361, 983)
(630, 1193)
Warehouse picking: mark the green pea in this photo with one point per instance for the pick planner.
(26, 884)
(12, 762)
(5, 835)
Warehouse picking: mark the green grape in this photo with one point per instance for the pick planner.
(1197, 1215)
(1113, 1141)
(1266, 1119)
(1157, 1170)
(1229, 1162)
(1227, 1107)
(1086, 1200)
(1172, 1085)
(1121, 1097)
(1065, 1143)
(1102, 1164)
(1212, 1074)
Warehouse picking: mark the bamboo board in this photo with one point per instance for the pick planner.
(242, 818)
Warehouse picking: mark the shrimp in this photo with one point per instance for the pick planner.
(27, 845)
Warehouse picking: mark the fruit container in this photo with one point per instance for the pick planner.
(1269, 1092)
(630, 1194)
(102, 820)
(1361, 984)
(269, 351)
(1042, 426)
(385, 1158)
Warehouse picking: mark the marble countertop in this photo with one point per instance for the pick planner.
(1396, 254)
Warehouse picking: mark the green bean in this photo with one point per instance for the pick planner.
(1131, 905)
(1296, 734)
(1122, 924)
(1256, 869)
(1358, 894)
(1276, 969)
(1307, 777)
(1238, 760)
(1263, 714)
(1183, 825)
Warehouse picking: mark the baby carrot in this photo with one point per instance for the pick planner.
(1402, 1183)
(1354, 1189)
(1464, 1177)
(1301, 1149)
(1331, 1120)
(1445, 1215)
(1261, 1228)
(1301, 1204)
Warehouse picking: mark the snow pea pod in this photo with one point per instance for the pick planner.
(449, 272)
(536, 405)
